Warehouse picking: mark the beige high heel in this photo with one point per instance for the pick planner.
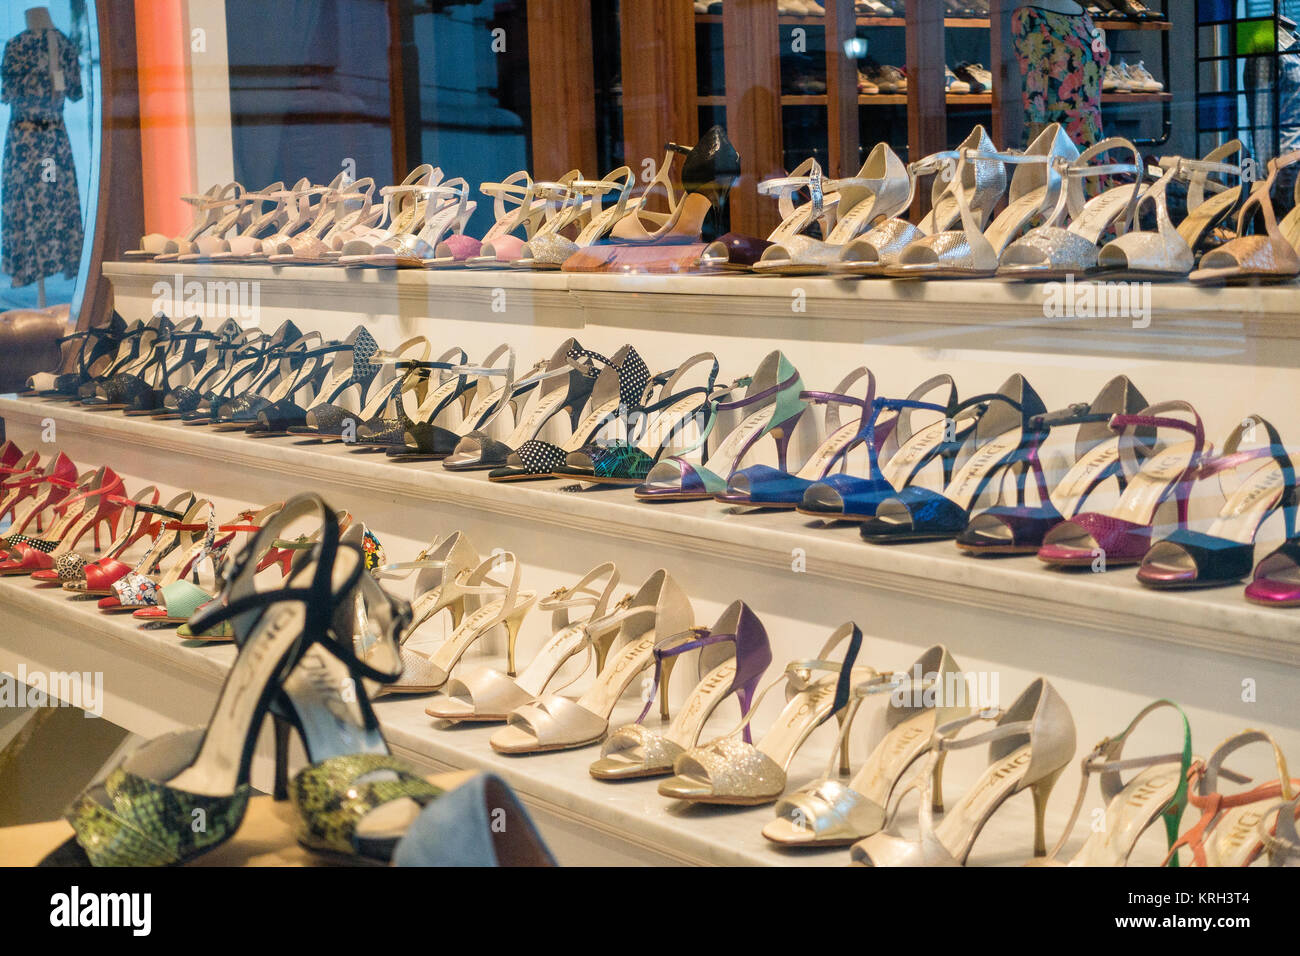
(485, 694)
(1273, 256)
(828, 813)
(1030, 745)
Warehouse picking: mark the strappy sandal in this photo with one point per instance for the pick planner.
(209, 220)
(138, 525)
(244, 368)
(288, 370)
(1055, 250)
(1169, 252)
(1020, 528)
(881, 190)
(95, 349)
(669, 421)
(1227, 832)
(733, 656)
(771, 405)
(371, 390)
(981, 184)
(525, 214)
(1030, 745)
(136, 350)
(1273, 256)
(485, 694)
(1225, 552)
(29, 491)
(476, 407)
(1280, 839)
(93, 503)
(561, 387)
(659, 610)
(555, 207)
(350, 362)
(290, 210)
(764, 487)
(826, 812)
(445, 207)
(159, 523)
(733, 772)
(436, 386)
(1122, 536)
(974, 252)
(343, 207)
(1002, 438)
(490, 603)
(1158, 793)
(550, 249)
(820, 210)
(615, 396)
(142, 812)
(250, 220)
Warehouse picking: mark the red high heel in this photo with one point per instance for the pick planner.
(76, 517)
(38, 490)
(140, 524)
(1123, 536)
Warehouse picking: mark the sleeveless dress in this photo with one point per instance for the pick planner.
(41, 229)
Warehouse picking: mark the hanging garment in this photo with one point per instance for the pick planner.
(40, 231)
(1062, 72)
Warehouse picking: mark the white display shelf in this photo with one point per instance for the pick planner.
(1218, 620)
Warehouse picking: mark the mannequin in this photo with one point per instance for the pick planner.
(1062, 64)
(41, 232)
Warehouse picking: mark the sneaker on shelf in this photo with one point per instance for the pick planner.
(1142, 80)
(866, 86)
(808, 85)
(952, 84)
(1112, 80)
(892, 80)
(872, 8)
(975, 75)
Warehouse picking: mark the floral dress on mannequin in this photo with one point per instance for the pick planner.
(1062, 65)
(41, 232)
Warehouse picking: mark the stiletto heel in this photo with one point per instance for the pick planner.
(442, 567)
(512, 635)
(733, 655)
(1029, 745)
(936, 784)
(843, 718)
(280, 791)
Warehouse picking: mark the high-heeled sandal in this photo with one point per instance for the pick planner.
(906, 451)
(1123, 535)
(208, 220)
(343, 208)
(659, 610)
(246, 226)
(134, 591)
(143, 811)
(159, 523)
(436, 386)
(287, 371)
(551, 248)
(1030, 745)
(95, 351)
(351, 362)
(442, 566)
(763, 487)
(733, 656)
(562, 386)
(442, 208)
(1020, 528)
(973, 252)
(981, 183)
(136, 350)
(1227, 834)
(232, 354)
(732, 772)
(828, 813)
(485, 694)
(668, 421)
(246, 368)
(94, 502)
(881, 190)
(615, 396)
(554, 206)
(202, 358)
(489, 604)
(138, 525)
(1055, 250)
(478, 403)
(1169, 252)
(180, 535)
(771, 405)
(1002, 438)
(1271, 256)
(29, 493)
(373, 389)
(176, 601)
(820, 210)
(1159, 792)
(1225, 552)
(513, 208)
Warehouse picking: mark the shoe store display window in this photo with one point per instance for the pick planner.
(785, 433)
